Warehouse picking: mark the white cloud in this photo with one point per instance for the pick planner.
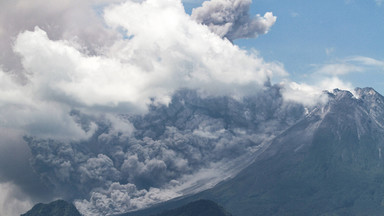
(350, 65)
(332, 83)
(67, 19)
(311, 95)
(339, 69)
(303, 93)
(327, 77)
(366, 61)
(168, 51)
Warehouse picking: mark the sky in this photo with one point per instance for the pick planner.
(308, 36)
(69, 67)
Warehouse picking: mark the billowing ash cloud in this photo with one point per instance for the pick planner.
(68, 69)
(231, 19)
(93, 102)
(20, 186)
(189, 145)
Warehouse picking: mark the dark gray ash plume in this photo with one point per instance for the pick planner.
(184, 147)
(231, 19)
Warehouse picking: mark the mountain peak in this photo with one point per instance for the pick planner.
(327, 164)
(55, 208)
(366, 91)
(369, 95)
(338, 94)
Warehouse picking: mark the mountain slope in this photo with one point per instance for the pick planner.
(56, 208)
(329, 163)
(197, 208)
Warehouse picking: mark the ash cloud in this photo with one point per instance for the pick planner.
(93, 87)
(20, 186)
(187, 146)
(231, 19)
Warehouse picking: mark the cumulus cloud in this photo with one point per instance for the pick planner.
(164, 55)
(68, 19)
(303, 93)
(329, 76)
(311, 95)
(231, 19)
(145, 65)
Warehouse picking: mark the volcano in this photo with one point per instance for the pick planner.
(328, 163)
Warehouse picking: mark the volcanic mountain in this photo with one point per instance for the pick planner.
(56, 208)
(328, 163)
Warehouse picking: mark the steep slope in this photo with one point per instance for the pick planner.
(56, 208)
(197, 208)
(329, 163)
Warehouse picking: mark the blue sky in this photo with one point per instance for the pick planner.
(309, 35)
